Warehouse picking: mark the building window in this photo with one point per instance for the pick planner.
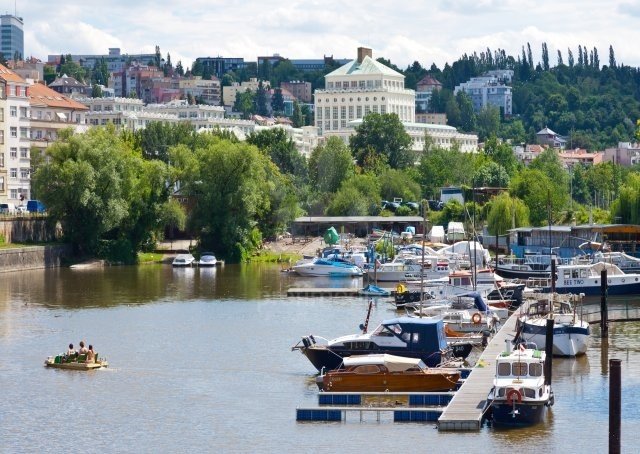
(1, 113)
(335, 124)
(24, 173)
(23, 112)
(12, 90)
(354, 84)
(343, 124)
(13, 111)
(367, 110)
(13, 173)
(319, 114)
(1, 184)
(13, 153)
(14, 194)
(383, 109)
(369, 84)
(1, 160)
(327, 125)
(335, 112)
(345, 84)
(24, 152)
(375, 108)
(350, 112)
(359, 112)
(329, 84)
(343, 112)
(361, 83)
(24, 133)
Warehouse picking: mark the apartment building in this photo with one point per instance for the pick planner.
(11, 36)
(51, 112)
(301, 90)
(488, 91)
(15, 163)
(229, 92)
(424, 89)
(625, 154)
(202, 90)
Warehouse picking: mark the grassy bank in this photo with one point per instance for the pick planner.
(275, 257)
(149, 257)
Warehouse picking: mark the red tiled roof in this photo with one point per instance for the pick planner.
(9, 76)
(42, 95)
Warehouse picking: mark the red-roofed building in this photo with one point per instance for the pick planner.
(570, 158)
(424, 88)
(15, 162)
(51, 112)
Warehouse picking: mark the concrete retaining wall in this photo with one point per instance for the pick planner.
(27, 228)
(33, 257)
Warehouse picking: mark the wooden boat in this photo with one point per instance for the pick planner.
(380, 373)
(76, 363)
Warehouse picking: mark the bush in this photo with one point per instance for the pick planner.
(117, 251)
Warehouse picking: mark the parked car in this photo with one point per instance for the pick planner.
(391, 206)
(7, 208)
(413, 205)
(435, 205)
(20, 209)
(35, 206)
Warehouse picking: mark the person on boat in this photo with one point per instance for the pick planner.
(82, 350)
(71, 351)
(91, 356)
(71, 354)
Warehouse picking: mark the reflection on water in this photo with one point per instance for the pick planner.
(198, 356)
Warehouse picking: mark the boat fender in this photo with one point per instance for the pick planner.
(512, 395)
(312, 339)
(476, 318)
(400, 288)
(305, 341)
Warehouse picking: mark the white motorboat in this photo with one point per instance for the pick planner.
(207, 259)
(626, 263)
(570, 334)
(406, 268)
(326, 267)
(183, 260)
(585, 278)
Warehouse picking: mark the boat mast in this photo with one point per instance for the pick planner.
(424, 230)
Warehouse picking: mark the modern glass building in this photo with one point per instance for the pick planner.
(11, 36)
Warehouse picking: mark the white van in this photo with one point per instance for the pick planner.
(7, 208)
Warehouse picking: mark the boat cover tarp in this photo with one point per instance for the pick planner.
(331, 236)
(391, 362)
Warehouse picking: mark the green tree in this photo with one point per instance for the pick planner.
(245, 103)
(230, 188)
(491, 174)
(501, 153)
(277, 145)
(467, 115)
(330, 164)
(626, 208)
(488, 121)
(538, 193)
(506, 213)
(439, 167)
(96, 91)
(358, 196)
(398, 183)
(386, 136)
(261, 100)
(108, 200)
(298, 117)
(277, 102)
(157, 138)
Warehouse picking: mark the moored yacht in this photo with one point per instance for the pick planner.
(327, 267)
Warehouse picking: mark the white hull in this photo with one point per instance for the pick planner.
(327, 271)
(571, 344)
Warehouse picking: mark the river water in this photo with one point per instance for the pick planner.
(201, 361)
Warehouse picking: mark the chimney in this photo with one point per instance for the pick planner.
(364, 52)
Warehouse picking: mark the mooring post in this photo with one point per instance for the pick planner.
(604, 323)
(553, 276)
(548, 349)
(615, 405)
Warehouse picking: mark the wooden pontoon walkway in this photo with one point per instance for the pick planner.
(465, 410)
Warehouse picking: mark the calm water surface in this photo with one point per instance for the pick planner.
(200, 361)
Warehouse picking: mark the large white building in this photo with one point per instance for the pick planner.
(361, 86)
(365, 85)
(488, 91)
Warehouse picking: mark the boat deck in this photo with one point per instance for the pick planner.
(466, 409)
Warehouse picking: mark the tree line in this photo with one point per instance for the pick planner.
(116, 193)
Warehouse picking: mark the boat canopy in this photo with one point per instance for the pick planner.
(391, 362)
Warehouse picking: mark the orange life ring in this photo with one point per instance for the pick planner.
(477, 318)
(514, 393)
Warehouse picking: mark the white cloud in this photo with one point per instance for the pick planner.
(428, 32)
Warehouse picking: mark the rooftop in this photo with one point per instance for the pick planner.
(369, 66)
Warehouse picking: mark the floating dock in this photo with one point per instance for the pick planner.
(466, 409)
(406, 407)
(327, 291)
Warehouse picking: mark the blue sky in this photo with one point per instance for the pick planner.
(436, 31)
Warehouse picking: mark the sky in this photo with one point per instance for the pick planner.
(427, 31)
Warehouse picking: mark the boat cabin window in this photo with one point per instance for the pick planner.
(360, 345)
(387, 330)
(504, 369)
(535, 370)
(530, 393)
(367, 369)
(575, 274)
(567, 274)
(519, 369)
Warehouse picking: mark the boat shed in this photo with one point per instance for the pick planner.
(358, 226)
(569, 241)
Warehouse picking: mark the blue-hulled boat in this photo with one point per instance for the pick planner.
(404, 336)
(373, 290)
